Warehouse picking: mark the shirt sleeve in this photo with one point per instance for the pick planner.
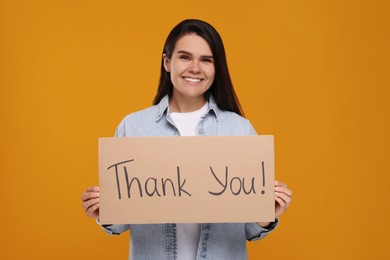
(114, 229)
(251, 130)
(255, 232)
(120, 130)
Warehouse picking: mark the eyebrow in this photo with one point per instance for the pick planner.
(188, 53)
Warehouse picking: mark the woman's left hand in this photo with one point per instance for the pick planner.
(282, 197)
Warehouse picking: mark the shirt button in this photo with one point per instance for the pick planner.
(204, 244)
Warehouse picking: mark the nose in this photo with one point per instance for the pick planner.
(195, 68)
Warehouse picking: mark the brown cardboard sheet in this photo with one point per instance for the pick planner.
(204, 179)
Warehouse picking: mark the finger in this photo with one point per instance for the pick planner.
(282, 204)
(89, 195)
(283, 197)
(90, 203)
(93, 211)
(284, 190)
(93, 189)
(280, 184)
(283, 201)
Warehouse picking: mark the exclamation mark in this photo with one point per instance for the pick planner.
(262, 166)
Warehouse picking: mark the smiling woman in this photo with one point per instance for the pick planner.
(195, 97)
(205, 42)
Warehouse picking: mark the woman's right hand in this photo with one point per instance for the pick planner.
(91, 202)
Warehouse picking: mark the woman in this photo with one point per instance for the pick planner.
(195, 97)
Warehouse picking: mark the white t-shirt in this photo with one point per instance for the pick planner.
(188, 234)
(186, 123)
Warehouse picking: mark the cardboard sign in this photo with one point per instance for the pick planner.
(205, 179)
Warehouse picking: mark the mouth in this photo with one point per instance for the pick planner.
(192, 80)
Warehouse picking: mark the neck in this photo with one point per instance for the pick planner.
(186, 104)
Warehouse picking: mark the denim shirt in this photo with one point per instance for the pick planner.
(221, 241)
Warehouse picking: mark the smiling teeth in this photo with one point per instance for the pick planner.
(192, 80)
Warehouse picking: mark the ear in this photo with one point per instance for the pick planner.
(166, 63)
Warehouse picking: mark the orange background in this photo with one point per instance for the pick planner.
(313, 73)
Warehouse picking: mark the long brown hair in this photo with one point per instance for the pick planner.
(222, 87)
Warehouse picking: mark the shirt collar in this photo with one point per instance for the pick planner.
(163, 105)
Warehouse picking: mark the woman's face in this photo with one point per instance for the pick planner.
(191, 67)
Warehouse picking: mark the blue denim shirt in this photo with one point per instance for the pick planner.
(221, 241)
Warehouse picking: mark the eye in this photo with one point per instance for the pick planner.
(207, 60)
(184, 57)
